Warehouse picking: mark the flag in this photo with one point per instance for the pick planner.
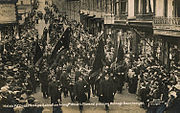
(62, 44)
(1, 48)
(66, 38)
(120, 53)
(54, 63)
(44, 36)
(38, 53)
(99, 57)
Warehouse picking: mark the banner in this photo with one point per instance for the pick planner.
(62, 44)
(100, 56)
(120, 54)
(38, 53)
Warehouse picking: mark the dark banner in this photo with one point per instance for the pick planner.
(100, 56)
(120, 55)
(38, 53)
(63, 43)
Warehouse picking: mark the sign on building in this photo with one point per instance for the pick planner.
(108, 19)
(7, 13)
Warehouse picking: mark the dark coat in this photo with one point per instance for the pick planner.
(53, 92)
(32, 110)
(43, 77)
(64, 80)
(133, 84)
(44, 81)
(143, 93)
(80, 91)
(29, 110)
(107, 90)
(174, 106)
(7, 101)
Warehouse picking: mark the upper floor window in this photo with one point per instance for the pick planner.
(116, 7)
(145, 6)
(123, 6)
(177, 8)
(21, 2)
(148, 6)
(165, 7)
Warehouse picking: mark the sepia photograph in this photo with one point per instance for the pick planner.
(89, 56)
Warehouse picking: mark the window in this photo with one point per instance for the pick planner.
(165, 8)
(108, 6)
(177, 2)
(148, 6)
(144, 6)
(123, 6)
(98, 4)
(21, 2)
(116, 7)
(136, 6)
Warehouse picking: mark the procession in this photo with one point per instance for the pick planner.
(67, 62)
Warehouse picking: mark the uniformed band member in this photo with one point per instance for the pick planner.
(80, 92)
(152, 82)
(54, 91)
(120, 75)
(64, 78)
(44, 80)
(106, 93)
(55, 95)
(132, 81)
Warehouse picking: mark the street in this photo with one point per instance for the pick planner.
(84, 56)
(119, 98)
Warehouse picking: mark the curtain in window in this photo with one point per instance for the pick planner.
(149, 6)
(123, 6)
(152, 5)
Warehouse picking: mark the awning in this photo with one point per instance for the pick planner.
(8, 1)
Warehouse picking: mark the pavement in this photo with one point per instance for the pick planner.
(123, 103)
(41, 25)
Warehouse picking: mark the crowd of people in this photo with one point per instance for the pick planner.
(18, 81)
(62, 61)
(20, 74)
(155, 84)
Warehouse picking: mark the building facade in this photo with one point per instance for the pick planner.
(8, 18)
(70, 8)
(24, 7)
(142, 27)
(166, 27)
(145, 27)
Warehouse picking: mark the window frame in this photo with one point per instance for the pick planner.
(123, 11)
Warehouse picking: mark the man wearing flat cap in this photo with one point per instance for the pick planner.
(64, 79)
(44, 82)
(53, 91)
(81, 97)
